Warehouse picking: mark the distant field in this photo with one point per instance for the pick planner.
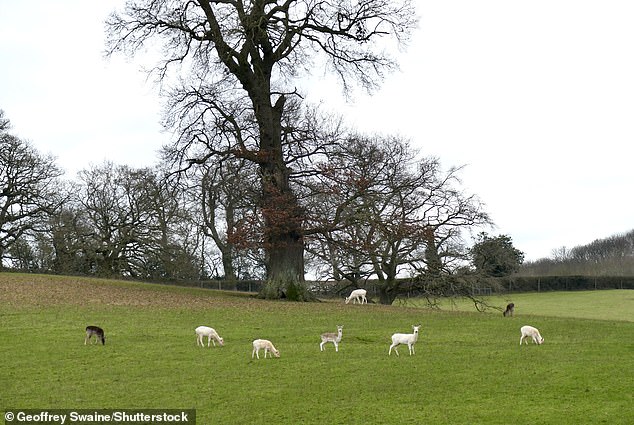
(468, 367)
(601, 305)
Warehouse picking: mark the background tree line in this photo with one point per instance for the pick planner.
(372, 207)
(610, 256)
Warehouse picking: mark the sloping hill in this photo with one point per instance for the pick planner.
(19, 289)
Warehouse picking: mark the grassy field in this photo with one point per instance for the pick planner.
(600, 305)
(468, 367)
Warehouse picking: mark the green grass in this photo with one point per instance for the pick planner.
(468, 367)
(600, 305)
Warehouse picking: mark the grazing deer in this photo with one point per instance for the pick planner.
(210, 333)
(97, 332)
(510, 308)
(531, 332)
(357, 295)
(268, 348)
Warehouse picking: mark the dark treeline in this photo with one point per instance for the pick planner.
(611, 256)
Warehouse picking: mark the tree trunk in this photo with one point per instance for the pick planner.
(387, 295)
(227, 249)
(284, 242)
(434, 263)
(283, 217)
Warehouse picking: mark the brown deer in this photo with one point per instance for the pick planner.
(97, 332)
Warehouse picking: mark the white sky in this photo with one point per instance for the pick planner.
(535, 98)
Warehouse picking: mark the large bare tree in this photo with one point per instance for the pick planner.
(236, 63)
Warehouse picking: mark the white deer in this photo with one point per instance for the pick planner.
(335, 338)
(210, 333)
(357, 295)
(409, 339)
(529, 331)
(268, 348)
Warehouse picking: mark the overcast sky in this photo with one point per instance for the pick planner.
(535, 98)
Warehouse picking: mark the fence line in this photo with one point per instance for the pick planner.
(480, 287)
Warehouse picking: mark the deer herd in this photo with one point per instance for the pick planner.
(527, 332)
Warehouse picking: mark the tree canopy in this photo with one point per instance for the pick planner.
(380, 209)
(29, 188)
(496, 256)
